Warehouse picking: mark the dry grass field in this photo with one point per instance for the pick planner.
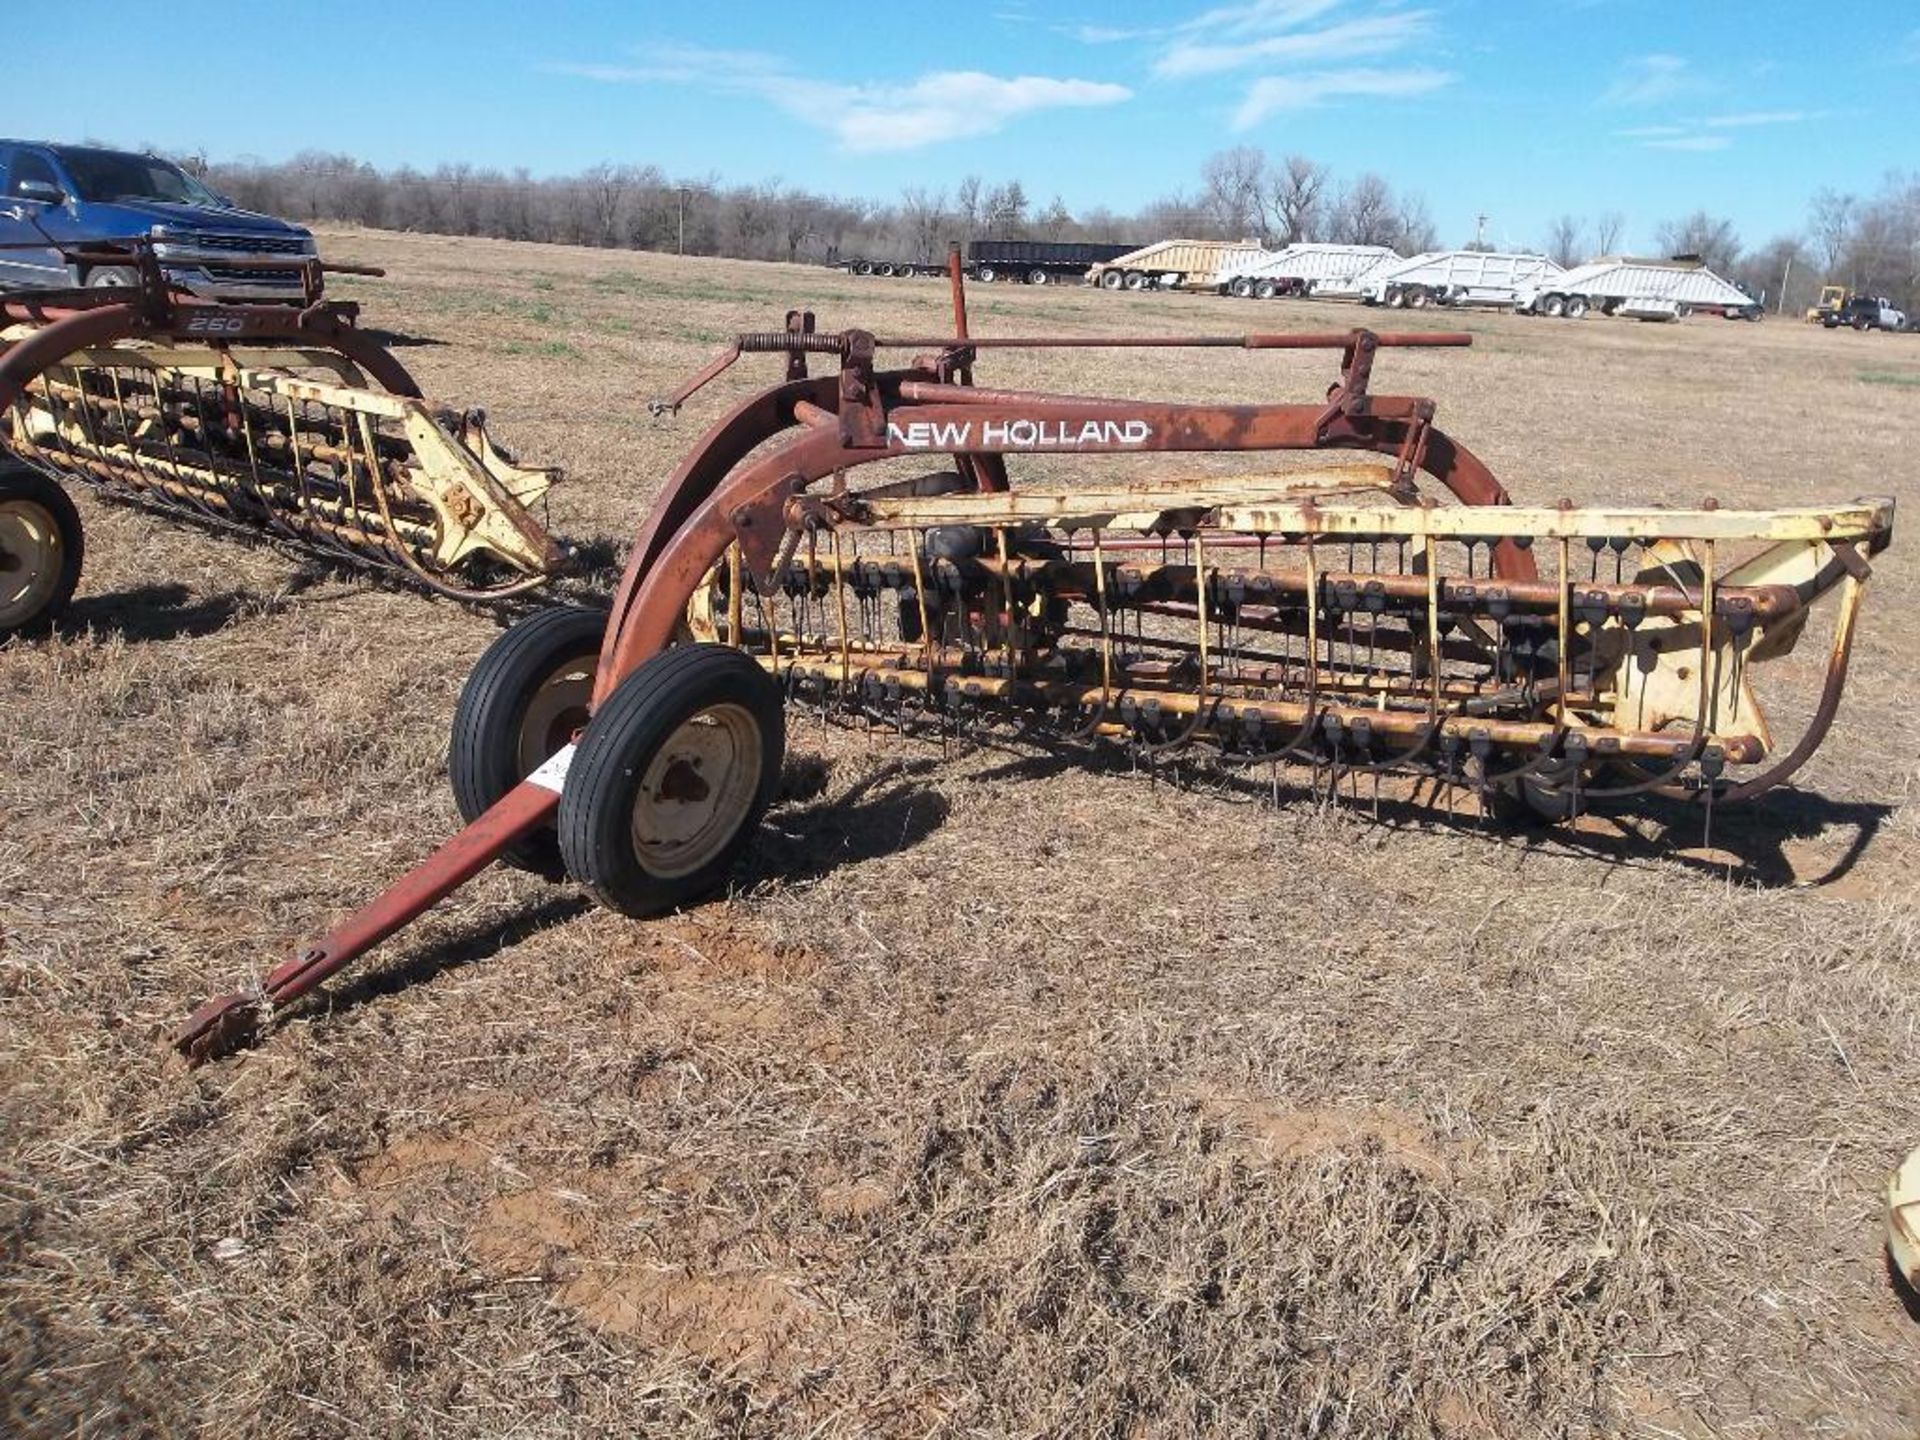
(1003, 1096)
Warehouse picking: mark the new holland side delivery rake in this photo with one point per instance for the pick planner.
(281, 423)
(855, 541)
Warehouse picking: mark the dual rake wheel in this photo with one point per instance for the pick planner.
(661, 790)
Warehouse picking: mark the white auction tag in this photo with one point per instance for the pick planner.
(552, 775)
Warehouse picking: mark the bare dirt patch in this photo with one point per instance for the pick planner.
(1004, 1095)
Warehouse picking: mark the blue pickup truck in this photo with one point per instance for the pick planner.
(54, 198)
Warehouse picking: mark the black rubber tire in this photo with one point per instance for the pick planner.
(1037, 276)
(1265, 290)
(649, 708)
(487, 756)
(1577, 307)
(1112, 279)
(103, 275)
(19, 482)
(987, 274)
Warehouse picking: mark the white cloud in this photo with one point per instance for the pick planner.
(953, 104)
(1650, 79)
(1272, 93)
(1748, 119)
(940, 105)
(1274, 39)
(1350, 40)
(1690, 142)
(1258, 17)
(1651, 132)
(1107, 34)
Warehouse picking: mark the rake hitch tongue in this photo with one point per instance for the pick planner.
(232, 1021)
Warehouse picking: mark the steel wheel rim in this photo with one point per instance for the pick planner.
(697, 791)
(554, 712)
(30, 538)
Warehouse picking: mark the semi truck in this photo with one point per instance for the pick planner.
(1493, 278)
(1038, 262)
(1639, 289)
(1302, 269)
(1176, 265)
(1035, 262)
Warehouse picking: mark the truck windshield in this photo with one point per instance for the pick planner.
(108, 175)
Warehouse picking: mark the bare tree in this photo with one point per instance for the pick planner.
(754, 210)
(1414, 230)
(1005, 211)
(606, 196)
(1295, 190)
(1171, 215)
(1713, 239)
(1365, 214)
(456, 182)
(1607, 230)
(1831, 221)
(1566, 240)
(925, 217)
(1783, 272)
(967, 203)
(1233, 182)
(799, 219)
(1056, 220)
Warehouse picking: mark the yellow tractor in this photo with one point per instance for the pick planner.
(1833, 299)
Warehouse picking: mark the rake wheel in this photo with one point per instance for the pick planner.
(41, 547)
(671, 779)
(524, 701)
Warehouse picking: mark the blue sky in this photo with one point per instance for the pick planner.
(1519, 109)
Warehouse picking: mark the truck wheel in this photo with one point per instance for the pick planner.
(1241, 289)
(671, 779)
(1577, 307)
(523, 702)
(1037, 276)
(1418, 297)
(1553, 306)
(1111, 280)
(1265, 290)
(103, 276)
(41, 547)
(1136, 280)
(988, 274)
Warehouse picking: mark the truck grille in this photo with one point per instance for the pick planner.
(233, 275)
(244, 244)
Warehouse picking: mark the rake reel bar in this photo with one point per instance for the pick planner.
(1396, 614)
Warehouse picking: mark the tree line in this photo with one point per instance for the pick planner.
(1870, 243)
